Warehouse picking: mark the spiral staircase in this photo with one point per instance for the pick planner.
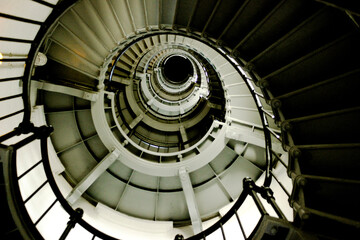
(179, 119)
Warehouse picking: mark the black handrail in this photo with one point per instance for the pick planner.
(42, 133)
(16, 203)
(17, 206)
(250, 189)
(71, 224)
(35, 46)
(21, 216)
(60, 197)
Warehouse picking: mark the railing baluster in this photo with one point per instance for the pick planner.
(281, 185)
(47, 210)
(274, 134)
(11, 114)
(13, 59)
(29, 170)
(72, 222)
(259, 94)
(20, 19)
(240, 224)
(268, 113)
(250, 185)
(9, 135)
(10, 78)
(222, 231)
(268, 194)
(44, 3)
(278, 158)
(36, 191)
(10, 97)
(258, 203)
(15, 40)
(277, 209)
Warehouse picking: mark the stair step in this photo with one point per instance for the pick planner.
(67, 57)
(58, 73)
(328, 128)
(321, 28)
(127, 58)
(184, 12)
(331, 60)
(327, 203)
(142, 46)
(90, 17)
(313, 158)
(74, 42)
(283, 18)
(330, 195)
(121, 72)
(137, 12)
(106, 12)
(72, 22)
(275, 228)
(330, 95)
(254, 12)
(167, 12)
(123, 65)
(237, 169)
(131, 54)
(202, 14)
(326, 228)
(121, 11)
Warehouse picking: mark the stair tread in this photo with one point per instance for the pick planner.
(284, 18)
(326, 228)
(322, 28)
(329, 128)
(312, 161)
(333, 60)
(332, 197)
(254, 12)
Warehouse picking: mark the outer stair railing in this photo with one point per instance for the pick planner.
(17, 204)
(29, 134)
(20, 213)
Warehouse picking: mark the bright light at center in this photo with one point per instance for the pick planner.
(1, 57)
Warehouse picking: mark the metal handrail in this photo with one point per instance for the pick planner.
(60, 197)
(21, 216)
(42, 133)
(45, 27)
(250, 189)
(18, 204)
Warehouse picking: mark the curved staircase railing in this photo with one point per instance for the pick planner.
(27, 226)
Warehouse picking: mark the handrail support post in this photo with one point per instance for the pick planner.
(72, 222)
